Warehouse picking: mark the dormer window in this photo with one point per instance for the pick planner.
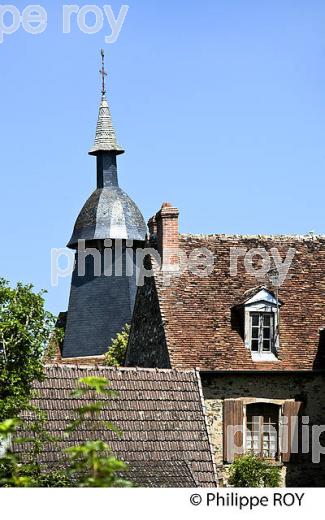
(261, 326)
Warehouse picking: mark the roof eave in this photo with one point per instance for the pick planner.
(97, 151)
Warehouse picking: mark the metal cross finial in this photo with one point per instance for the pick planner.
(103, 72)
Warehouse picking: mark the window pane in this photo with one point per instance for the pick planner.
(267, 320)
(266, 345)
(266, 332)
(261, 332)
(262, 422)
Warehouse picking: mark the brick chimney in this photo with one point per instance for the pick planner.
(166, 226)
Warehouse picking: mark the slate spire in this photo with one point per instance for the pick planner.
(105, 139)
(103, 287)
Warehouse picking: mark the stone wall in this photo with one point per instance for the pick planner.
(308, 388)
(147, 342)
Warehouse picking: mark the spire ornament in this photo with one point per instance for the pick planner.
(103, 72)
(105, 139)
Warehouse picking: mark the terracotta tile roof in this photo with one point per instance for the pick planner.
(197, 315)
(161, 415)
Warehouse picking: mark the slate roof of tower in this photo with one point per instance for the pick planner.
(160, 412)
(109, 213)
(105, 138)
(194, 322)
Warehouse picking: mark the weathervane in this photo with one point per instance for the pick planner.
(103, 73)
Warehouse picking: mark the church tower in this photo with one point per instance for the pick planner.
(107, 232)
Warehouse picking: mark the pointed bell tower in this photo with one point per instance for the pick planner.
(107, 232)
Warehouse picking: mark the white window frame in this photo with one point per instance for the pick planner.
(263, 302)
(258, 331)
(278, 457)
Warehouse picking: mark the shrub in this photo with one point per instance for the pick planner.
(115, 356)
(251, 471)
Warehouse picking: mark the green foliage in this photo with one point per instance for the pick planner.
(115, 356)
(92, 465)
(250, 471)
(54, 344)
(99, 385)
(55, 478)
(25, 329)
(16, 471)
(92, 385)
(11, 472)
(8, 427)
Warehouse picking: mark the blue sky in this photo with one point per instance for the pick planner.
(219, 104)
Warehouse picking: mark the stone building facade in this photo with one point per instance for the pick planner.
(256, 338)
(276, 388)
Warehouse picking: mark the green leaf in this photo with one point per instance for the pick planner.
(117, 350)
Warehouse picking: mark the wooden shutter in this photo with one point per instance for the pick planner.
(290, 436)
(233, 418)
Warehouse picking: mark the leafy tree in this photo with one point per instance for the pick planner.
(54, 345)
(18, 471)
(25, 329)
(251, 471)
(115, 356)
(10, 470)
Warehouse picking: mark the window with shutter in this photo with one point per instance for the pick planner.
(262, 430)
